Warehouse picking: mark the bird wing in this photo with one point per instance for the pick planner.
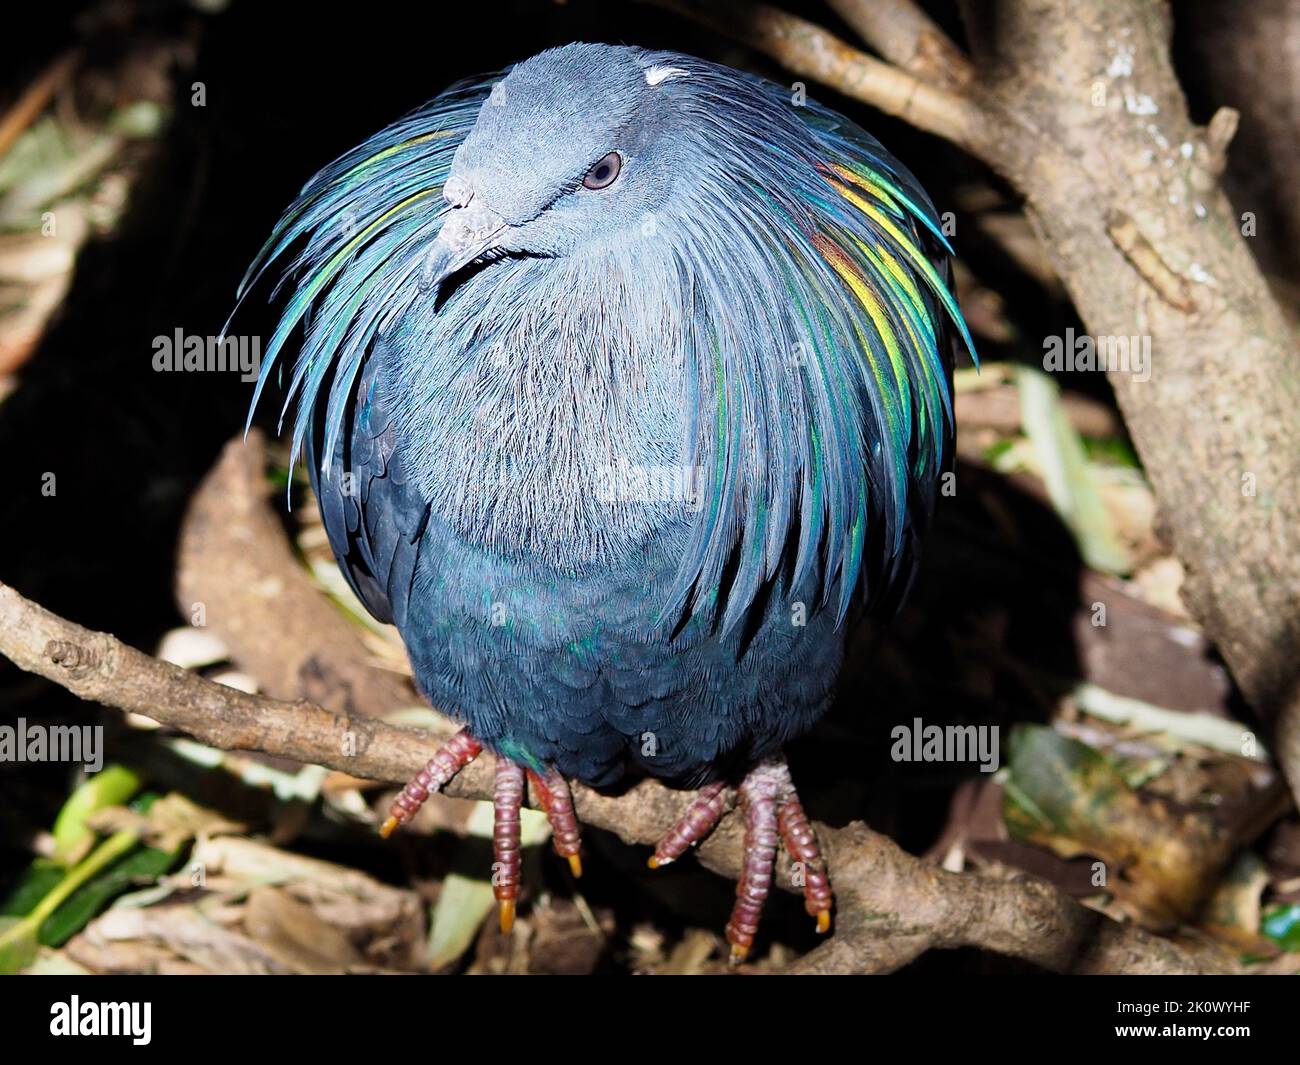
(356, 240)
(374, 516)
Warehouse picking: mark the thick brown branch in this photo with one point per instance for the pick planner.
(891, 906)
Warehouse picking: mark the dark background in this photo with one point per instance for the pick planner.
(288, 88)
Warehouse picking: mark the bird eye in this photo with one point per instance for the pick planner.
(603, 173)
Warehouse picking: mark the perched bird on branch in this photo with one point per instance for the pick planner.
(624, 386)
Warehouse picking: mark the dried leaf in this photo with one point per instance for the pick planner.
(296, 935)
(1064, 795)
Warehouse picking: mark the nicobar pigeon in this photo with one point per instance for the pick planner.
(624, 385)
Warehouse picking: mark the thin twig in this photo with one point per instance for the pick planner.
(813, 52)
(33, 100)
(906, 36)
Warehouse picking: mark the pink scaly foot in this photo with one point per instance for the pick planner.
(701, 817)
(760, 794)
(772, 812)
(801, 844)
(557, 800)
(450, 759)
(507, 799)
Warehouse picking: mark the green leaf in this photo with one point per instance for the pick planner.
(997, 449)
(145, 863)
(41, 877)
(1112, 452)
(18, 945)
(111, 786)
(1282, 925)
(1066, 472)
(18, 942)
(48, 882)
(143, 802)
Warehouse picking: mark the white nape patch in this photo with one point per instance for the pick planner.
(655, 75)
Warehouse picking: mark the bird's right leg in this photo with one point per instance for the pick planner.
(507, 798)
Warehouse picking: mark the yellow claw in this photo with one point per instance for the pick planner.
(388, 827)
(823, 921)
(738, 953)
(656, 862)
(575, 866)
(507, 916)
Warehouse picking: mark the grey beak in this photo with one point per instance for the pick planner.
(467, 232)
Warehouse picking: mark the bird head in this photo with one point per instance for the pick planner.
(576, 146)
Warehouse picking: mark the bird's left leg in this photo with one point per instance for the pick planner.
(772, 811)
(507, 800)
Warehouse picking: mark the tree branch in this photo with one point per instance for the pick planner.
(906, 36)
(813, 52)
(891, 907)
